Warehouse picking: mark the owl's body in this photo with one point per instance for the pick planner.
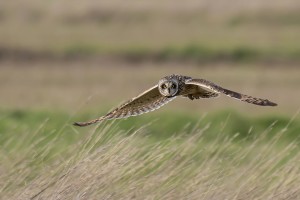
(167, 89)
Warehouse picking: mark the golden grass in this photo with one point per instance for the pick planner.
(107, 164)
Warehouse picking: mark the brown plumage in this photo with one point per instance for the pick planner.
(167, 89)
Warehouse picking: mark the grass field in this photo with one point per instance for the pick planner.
(160, 30)
(62, 62)
(223, 149)
(221, 155)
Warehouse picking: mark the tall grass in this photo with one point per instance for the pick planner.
(105, 162)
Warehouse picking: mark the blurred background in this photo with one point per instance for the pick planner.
(63, 54)
(71, 60)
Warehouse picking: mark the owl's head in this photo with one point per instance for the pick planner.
(168, 87)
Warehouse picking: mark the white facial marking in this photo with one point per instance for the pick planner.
(167, 87)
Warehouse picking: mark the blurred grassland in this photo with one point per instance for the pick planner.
(97, 86)
(185, 149)
(67, 61)
(156, 30)
(160, 126)
(215, 156)
(207, 148)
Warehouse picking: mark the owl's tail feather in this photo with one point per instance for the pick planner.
(87, 123)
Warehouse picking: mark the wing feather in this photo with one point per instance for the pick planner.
(211, 87)
(147, 101)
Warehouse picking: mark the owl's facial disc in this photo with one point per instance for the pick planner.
(168, 88)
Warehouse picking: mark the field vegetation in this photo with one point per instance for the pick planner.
(63, 61)
(221, 155)
(156, 30)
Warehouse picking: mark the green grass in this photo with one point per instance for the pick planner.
(191, 51)
(162, 155)
(160, 127)
(223, 154)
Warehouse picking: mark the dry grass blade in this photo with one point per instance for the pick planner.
(115, 165)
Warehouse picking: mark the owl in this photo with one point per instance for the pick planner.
(167, 89)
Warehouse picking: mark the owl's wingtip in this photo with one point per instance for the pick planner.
(87, 123)
(270, 103)
(79, 124)
(273, 104)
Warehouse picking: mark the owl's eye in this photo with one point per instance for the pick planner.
(173, 86)
(163, 86)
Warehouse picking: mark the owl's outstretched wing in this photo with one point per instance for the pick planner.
(212, 90)
(143, 103)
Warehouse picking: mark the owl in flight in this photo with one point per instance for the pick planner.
(167, 89)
